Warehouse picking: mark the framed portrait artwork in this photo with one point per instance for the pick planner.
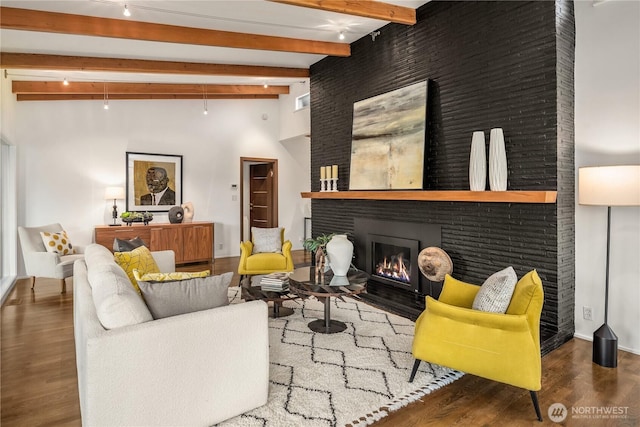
(154, 182)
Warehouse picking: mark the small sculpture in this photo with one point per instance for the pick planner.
(188, 212)
(435, 263)
(176, 215)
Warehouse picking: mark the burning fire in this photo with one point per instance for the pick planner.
(394, 268)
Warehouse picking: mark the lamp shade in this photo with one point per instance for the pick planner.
(609, 185)
(114, 193)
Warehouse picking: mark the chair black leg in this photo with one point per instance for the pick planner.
(416, 364)
(534, 398)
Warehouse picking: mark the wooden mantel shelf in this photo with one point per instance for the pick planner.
(440, 196)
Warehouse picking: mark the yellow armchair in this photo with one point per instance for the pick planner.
(500, 347)
(264, 263)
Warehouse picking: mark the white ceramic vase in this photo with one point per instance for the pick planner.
(340, 253)
(478, 162)
(497, 161)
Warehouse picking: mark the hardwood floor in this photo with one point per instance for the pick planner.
(39, 385)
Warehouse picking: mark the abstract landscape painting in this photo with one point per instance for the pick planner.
(388, 140)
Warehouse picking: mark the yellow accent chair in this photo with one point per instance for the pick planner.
(500, 347)
(264, 263)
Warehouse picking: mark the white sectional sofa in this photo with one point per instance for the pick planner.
(194, 369)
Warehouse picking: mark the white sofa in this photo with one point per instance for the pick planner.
(194, 369)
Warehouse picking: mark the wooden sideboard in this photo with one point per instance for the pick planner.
(192, 242)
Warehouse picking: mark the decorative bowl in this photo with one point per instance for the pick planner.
(145, 218)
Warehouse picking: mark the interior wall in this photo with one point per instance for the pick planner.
(294, 123)
(7, 110)
(70, 151)
(607, 126)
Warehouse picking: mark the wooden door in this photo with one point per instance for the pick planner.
(261, 196)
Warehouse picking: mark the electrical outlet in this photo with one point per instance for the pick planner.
(587, 313)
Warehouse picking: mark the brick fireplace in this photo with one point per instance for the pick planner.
(490, 64)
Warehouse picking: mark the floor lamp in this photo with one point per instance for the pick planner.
(608, 186)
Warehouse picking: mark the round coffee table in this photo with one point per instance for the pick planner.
(303, 282)
(251, 290)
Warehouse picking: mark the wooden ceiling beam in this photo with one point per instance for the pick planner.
(54, 22)
(114, 88)
(363, 8)
(100, 97)
(86, 63)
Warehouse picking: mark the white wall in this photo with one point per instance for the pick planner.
(7, 110)
(294, 123)
(607, 130)
(69, 151)
(295, 131)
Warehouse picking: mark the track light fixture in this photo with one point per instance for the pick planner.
(204, 97)
(265, 85)
(341, 36)
(126, 11)
(106, 97)
(65, 82)
(374, 34)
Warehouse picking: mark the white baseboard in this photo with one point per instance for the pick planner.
(621, 347)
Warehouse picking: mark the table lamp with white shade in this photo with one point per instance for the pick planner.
(115, 193)
(608, 186)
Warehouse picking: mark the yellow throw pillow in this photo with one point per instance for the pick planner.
(139, 259)
(57, 243)
(168, 277)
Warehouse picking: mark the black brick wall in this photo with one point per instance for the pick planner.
(490, 64)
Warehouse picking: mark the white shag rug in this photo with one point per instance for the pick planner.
(351, 378)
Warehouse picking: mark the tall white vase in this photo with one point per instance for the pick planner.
(340, 253)
(497, 161)
(478, 163)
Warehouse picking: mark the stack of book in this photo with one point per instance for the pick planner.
(276, 282)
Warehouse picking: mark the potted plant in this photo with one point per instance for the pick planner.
(312, 244)
(320, 242)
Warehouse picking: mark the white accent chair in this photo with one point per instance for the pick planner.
(40, 263)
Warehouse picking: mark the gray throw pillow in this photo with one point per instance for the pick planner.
(121, 245)
(166, 299)
(266, 240)
(496, 292)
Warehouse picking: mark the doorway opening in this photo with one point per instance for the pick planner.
(258, 194)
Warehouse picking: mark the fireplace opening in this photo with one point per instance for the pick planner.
(391, 260)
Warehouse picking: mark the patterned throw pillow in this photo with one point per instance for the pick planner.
(496, 292)
(139, 259)
(266, 240)
(57, 243)
(168, 277)
(166, 299)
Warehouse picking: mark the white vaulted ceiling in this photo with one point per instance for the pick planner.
(255, 17)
